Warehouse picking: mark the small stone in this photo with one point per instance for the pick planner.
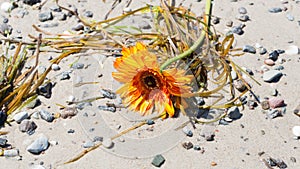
(45, 90)
(107, 108)
(78, 27)
(65, 76)
(274, 92)
(265, 105)
(45, 16)
(71, 99)
(263, 51)
(223, 122)
(55, 67)
(293, 159)
(34, 103)
(35, 115)
(88, 14)
(281, 164)
(187, 145)
(273, 113)
(249, 49)
(71, 131)
(272, 76)
(243, 18)
(197, 147)
(240, 85)
(292, 50)
(3, 117)
(127, 9)
(275, 10)
(269, 62)
(97, 138)
(39, 145)
(274, 55)
(234, 75)
(144, 25)
(242, 10)
(31, 2)
(3, 142)
(275, 102)
(216, 20)
(187, 131)
(237, 30)
(45, 115)
(279, 67)
(158, 160)
(290, 17)
(234, 113)
(55, 8)
(27, 126)
(20, 116)
(68, 112)
(296, 131)
(88, 144)
(107, 143)
(229, 23)
(61, 16)
(78, 65)
(208, 132)
(5, 29)
(6, 6)
(150, 121)
(11, 153)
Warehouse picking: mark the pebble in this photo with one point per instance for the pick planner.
(108, 94)
(55, 8)
(274, 92)
(197, 147)
(144, 25)
(272, 76)
(279, 67)
(237, 30)
(39, 145)
(150, 121)
(234, 113)
(275, 10)
(234, 75)
(45, 90)
(35, 115)
(216, 20)
(293, 159)
(269, 62)
(187, 131)
(65, 76)
(265, 105)
(242, 10)
(5, 29)
(6, 6)
(107, 108)
(275, 102)
(88, 14)
(158, 160)
(240, 85)
(107, 143)
(78, 65)
(31, 2)
(290, 17)
(68, 112)
(34, 103)
(20, 116)
(187, 145)
(229, 23)
(55, 67)
(273, 113)
(78, 27)
(27, 126)
(97, 138)
(11, 153)
(61, 16)
(45, 16)
(71, 131)
(3, 142)
(208, 132)
(127, 9)
(47, 116)
(263, 51)
(292, 50)
(274, 55)
(249, 49)
(88, 144)
(243, 18)
(296, 131)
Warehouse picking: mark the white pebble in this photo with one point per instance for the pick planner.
(292, 50)
(6, 6)
(107, 143)
(126, 10)
(70, 99)
(296, 131)
(20, 116)
(55, 67)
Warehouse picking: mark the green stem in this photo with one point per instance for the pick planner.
(197, 43)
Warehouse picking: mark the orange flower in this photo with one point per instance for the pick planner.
(145, 87)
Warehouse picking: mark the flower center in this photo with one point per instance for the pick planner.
(150, 81)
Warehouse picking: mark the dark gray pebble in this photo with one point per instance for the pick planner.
(71, 131)
(108, 94)
(249, 49)
(31, 2)
(243, 18)
(197, 147)
(263, 51)
(234, 113)
(187, 145)
(45, 90)
(45, 16)
(47, 116)
(88, 14)
(275, 10)
(274, 55)
(5, 29)
(3, 117)
(158, 160)
(5, 20)
(279, 67)
(237, 30)
(3, 142)
(280, 51)
(216, 20)
(242, 10)
(97, 138)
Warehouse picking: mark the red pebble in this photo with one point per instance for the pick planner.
(276, 102)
